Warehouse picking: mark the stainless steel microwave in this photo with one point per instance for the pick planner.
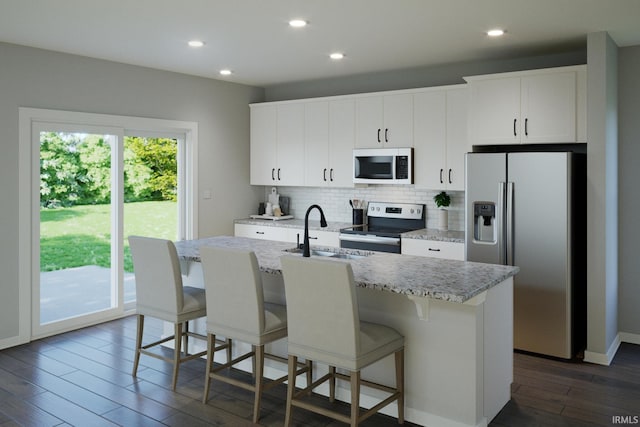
(383, 165)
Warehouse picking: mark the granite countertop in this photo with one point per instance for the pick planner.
(422, 234)
(439, 235)
(448, 280)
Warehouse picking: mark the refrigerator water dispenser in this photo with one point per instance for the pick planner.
(484, 222)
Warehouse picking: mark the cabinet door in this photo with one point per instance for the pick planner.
(290, 150)
(317, 237)
(549, 108)
(341, 142)
(369, 121)
(316, 143)
(433, 249)
(457, 142)
(263, 158)
(263, 232)
(494, 111)
(429, 118)
(398, 121)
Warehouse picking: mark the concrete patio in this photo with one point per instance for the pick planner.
(77, 291)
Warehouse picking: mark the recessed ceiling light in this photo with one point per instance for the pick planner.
(495, 33)
(298, 23)
(336, 55)
(226, 72)
(196, 43)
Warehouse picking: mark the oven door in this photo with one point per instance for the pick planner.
(370, 242)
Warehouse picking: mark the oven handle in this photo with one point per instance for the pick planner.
(370, 238)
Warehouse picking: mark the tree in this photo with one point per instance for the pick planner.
(76, 169)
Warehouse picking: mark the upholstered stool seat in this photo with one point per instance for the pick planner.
(161, 294)
(237, 310)
(325, 327)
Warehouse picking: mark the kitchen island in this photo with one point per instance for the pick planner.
(457, 319)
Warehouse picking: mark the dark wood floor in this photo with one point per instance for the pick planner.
(83, 378)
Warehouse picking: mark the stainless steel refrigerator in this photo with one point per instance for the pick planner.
(528, 209)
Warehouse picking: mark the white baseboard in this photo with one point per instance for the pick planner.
(603, 358)
(630, 338)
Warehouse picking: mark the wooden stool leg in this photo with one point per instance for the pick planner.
(332, 384)
(176, 354)
(259, 358)
(211, 342)
(355, 398)
(309, 365)
(291, 388)
(136, 359)
(185, 346)
(229, 348)
(400, 384)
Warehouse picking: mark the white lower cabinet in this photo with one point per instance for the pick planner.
(280, 234)
(317, 237)
(285, 234)
(433, 248)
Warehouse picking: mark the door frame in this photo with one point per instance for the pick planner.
(31, 119)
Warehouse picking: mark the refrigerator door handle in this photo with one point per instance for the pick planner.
(500, 224)
(509, 223)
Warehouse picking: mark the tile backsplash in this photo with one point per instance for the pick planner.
(335, 201)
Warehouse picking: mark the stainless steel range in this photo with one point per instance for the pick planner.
(385, 223)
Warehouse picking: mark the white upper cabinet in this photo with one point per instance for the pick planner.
(329, 139)
(277, 144)
(342, 135)
(384, 121)
(440, 131)
(529, 107)
(263, 157)
(290, 168)
(316, 142)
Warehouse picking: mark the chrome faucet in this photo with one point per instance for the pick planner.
(323, 223)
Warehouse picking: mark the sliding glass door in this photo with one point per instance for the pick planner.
(96, 187)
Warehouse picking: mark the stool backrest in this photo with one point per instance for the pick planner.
(157, 274)
(233, 288)
(322, 307)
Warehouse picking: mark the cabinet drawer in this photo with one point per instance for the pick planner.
(317, 237)
(264, 232)
(433, 248)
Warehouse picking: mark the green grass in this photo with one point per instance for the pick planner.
(81, 235)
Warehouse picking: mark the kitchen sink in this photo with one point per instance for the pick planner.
(340, 254)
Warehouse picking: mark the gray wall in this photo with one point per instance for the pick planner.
(417, 77)
(629, 176)
(602, 196)
(43, 79)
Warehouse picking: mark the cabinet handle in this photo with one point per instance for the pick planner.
(386, 135)
(324, 174)
(441, 181)
(259, 232)
(273, 171)
(434, 250)
(450, 177)
(331, 175)
(278, 174)
(514, 127)
(313, 238)
(379, 135)
(526, 127)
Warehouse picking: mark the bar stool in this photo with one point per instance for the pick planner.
(236, 309)
(160, 294)
(324, 326)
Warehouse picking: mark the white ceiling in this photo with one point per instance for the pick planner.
(252, 37)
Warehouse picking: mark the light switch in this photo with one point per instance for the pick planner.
(206, 194)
